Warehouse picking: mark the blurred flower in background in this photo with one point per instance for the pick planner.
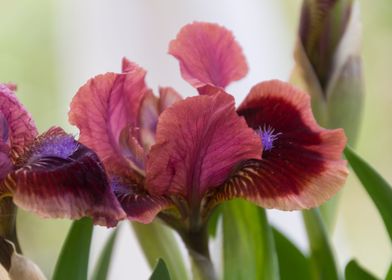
(51, 48)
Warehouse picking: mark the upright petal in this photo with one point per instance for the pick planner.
(103, 107)
(301, 165)
(61, 178)
(148, 119)
(199, 141)
(208, 54)
(167, 97)
(17, 124)
(150, 110)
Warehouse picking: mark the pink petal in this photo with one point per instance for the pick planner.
(304, 167)
(199, 141)
(148, 118)
(21, 127)
(167, 97)
(5, 160)
(61, 178)
(139, 205)
(131, 149)
(208, 54)
(150, 110)
(103, 107)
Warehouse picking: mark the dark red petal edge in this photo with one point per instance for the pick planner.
(303, 169)
(73, 187)
(138, 204)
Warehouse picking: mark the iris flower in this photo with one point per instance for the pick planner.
(51, 174)
(178, 158)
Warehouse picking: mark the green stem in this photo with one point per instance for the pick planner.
(196, 242)
(8, 221)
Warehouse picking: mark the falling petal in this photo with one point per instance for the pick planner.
(303, 168)
(199, 141)
(139, 205)
(61, 178)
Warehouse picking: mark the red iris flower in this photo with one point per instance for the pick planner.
(180, 157)
(51, 174)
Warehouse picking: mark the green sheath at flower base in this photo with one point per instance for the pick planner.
(328, 67)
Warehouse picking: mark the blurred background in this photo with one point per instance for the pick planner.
(50, 49)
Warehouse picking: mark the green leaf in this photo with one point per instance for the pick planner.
(160, 271)
(248, 244)
(321, 256)
(355, 272)
(389, 273)
(73, 260)
(157, 241)
(293, 264)
(102, 266)
(214, 221)
(376, 186)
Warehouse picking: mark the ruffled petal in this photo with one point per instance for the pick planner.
(103, 107)
(60, 178)
(208, 54)
(302, 164)
(139, 205)
(17, 124)
(199, 140)
(5, 160)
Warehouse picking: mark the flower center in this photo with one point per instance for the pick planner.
(268, 136)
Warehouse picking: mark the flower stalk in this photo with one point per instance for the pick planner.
(196, 242)
(8, 221)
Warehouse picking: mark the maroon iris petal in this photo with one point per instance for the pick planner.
(137, 203)
(61, 178)
(301, 165)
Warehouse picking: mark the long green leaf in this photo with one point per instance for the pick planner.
(321, 256)
(103, 263)
(248, 244)
(160, 271)
(293, 264)
(214, 221)
(73, 260)
(355, 272)
(157, 241)
(376, 186)
(389, 273)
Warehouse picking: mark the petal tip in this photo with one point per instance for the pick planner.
(208, 54)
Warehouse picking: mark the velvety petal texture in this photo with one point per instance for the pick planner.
(103, 108)
(139, 205)
(199, 141)
(5, 160)
(208, 54)
(301, 165)
(16, 123)
(60, 178)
